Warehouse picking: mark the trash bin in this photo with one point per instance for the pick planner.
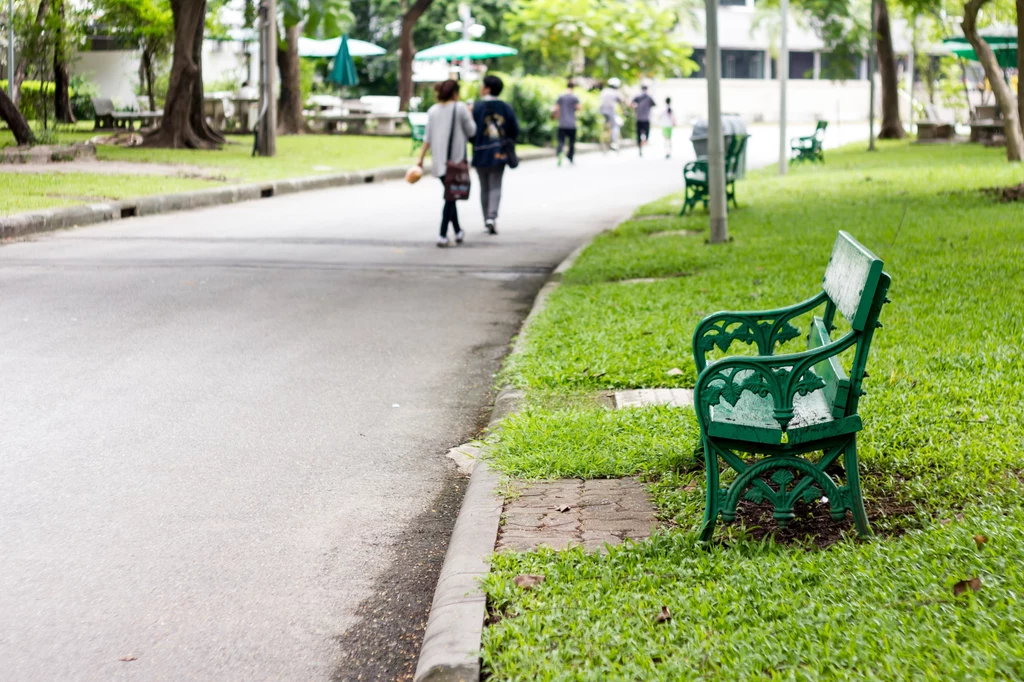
(732, 125)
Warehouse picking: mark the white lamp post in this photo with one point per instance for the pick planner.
(469, 28)
(716, 143)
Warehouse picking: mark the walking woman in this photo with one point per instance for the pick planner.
(449, 128)
(494, 146)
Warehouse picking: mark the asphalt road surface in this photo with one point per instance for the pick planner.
(222, 453)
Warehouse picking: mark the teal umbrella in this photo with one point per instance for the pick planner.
(1004, 47)
(343, 71)
(465, 49)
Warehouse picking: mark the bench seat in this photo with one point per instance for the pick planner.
(752, 419)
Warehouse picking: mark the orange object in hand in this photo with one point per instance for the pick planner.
(413, 175)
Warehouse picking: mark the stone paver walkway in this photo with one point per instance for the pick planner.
(676, 397)
(568, 512)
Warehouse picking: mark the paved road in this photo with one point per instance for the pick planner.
(224, 430)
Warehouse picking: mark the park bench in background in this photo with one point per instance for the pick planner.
(695, 176)
(810, 147)
(933, 128)
(784, 407)
(109, 119)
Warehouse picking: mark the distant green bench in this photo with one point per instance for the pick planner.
(810, 147)
(418, 126)
(784, 407)
(695, 176)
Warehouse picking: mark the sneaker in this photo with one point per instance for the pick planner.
(559, 159)
(442, 242)
(492, 228)
(459, 236)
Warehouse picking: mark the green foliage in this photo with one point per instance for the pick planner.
(942, 441)
(601, 38)
(881, 610)
(307, 70)
(82, 90)
(36, 97)
(596, 442)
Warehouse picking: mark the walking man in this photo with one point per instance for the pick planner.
(493, 147)
(642, 103)
(566, 108)
(611, 101)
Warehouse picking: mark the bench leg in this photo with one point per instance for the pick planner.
(711, 494)
(860, 516)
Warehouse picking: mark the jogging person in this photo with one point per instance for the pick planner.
(496, 131)
(566, 107)
(642, 103)
(611, 102)
(668, 124)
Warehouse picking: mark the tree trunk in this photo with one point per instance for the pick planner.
(183, 125)
(21, 68)
(289, 108)
(892, 128)
(406, 50)
(14, 120)
(62, 112)
(1020, 63)
(1004, 95)
(146, 76)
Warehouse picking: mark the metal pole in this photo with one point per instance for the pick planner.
(910, 71)
(266, 135)
(10, 49)
(783, 83)
(871, 75)
(716, 143)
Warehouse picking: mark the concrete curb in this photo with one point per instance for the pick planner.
(24, 224)
(451, 642)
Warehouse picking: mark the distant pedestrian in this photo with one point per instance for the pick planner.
(611, 103)
(642, 103)
(493, 147)
(449, 128)
(668, 124)
(566, 108)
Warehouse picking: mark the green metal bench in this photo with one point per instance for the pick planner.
(784, 407)
(695, 176)
(810, 147)
(418, 126)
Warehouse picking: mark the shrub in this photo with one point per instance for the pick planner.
(82, 90)
(31, 103)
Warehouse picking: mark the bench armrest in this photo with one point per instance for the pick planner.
(766, 328)
(782, 377)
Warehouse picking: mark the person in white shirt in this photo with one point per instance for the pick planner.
(667, 119)
(611, 103)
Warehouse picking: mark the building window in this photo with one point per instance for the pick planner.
(742, 64)
(840, 67)
(698, 56)
(801, 66)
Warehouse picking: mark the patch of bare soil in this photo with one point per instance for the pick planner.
(1006, 194)
(814, 524)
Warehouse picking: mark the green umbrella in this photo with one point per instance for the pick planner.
(465, 49)
(343, 71)
(1004, 47)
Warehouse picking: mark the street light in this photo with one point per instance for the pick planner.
(783, 67)
(468, 27)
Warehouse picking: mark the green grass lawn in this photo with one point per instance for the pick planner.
(32, 191)
(297, 156)
(942, 450)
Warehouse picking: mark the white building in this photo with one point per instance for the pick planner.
(750, 85)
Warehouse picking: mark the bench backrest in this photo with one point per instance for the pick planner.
(733, 154)
(102, 106)
(856, 286)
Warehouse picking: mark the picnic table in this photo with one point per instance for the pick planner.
(785, 407)
(358, 124)
(107, 118)
(985, 131)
